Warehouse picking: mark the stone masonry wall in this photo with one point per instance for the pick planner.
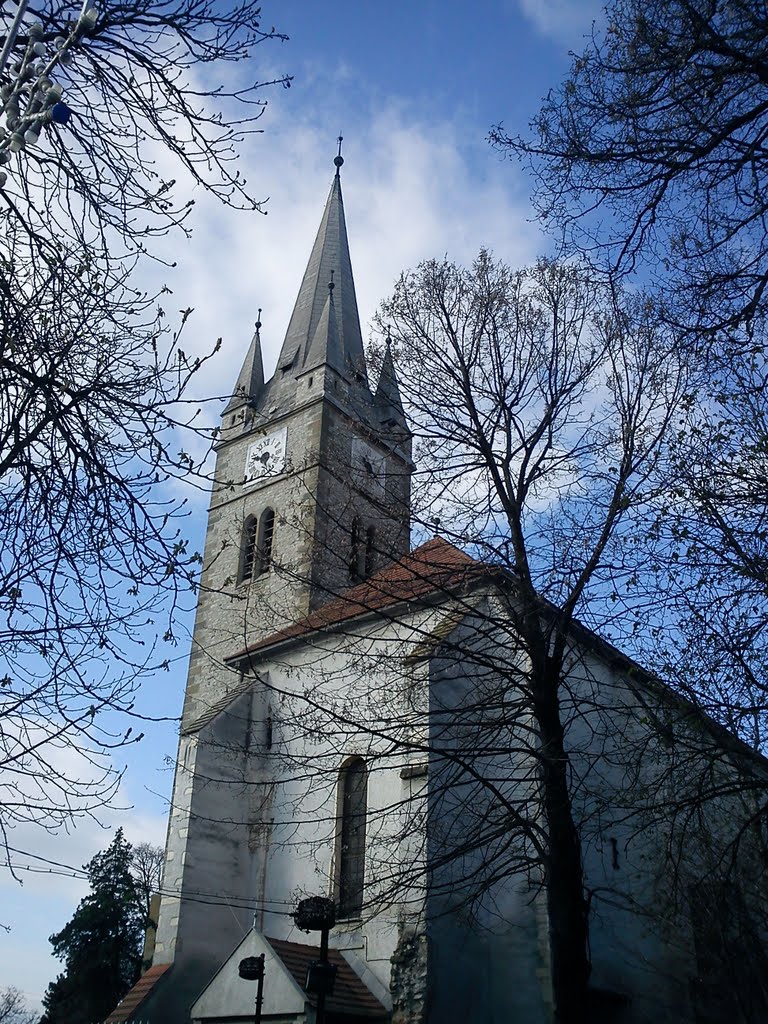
(409, 976)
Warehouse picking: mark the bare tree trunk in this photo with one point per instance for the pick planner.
(566, 904)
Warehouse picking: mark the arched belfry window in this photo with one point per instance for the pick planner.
(256, 546)
(265, 540)
(352, 805)
(362, 550)
(354, 549)
(370, 549)
(248, 550)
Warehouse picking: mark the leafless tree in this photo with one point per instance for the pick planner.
(146, 868)
(542, 410)
(91, 539)
(651, 153)
(711, 533)
(13, 1009)
(95, 425)
(649, 157)
(157, 91)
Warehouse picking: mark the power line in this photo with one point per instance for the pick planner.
(193, 896)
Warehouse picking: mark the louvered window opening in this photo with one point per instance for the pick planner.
(248, 552)
(257, 546)
(267, 536)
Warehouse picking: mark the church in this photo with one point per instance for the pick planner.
(350, 732)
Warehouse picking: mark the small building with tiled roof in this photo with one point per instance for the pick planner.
(356, 726)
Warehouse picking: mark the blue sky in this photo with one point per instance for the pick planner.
(414, 86)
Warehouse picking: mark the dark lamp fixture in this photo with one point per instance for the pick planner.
(318, 914)
(251, 968)
(315, 914)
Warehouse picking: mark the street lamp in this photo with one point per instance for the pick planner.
(29, 98)
(252, 969)
(318, 914)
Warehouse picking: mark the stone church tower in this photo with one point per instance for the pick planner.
(312, 473)
(311, 496)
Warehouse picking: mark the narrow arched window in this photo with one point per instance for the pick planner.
(354, 549)
(353, 805)
(266, 537)
(248, 550)
(370, 549)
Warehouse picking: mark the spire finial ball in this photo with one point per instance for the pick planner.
(339, 159)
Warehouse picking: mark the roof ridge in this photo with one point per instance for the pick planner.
(136, 995)
(417, 575)
(351, 993)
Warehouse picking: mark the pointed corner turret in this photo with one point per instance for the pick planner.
(388, 401)
(325, 346)
(250, 381)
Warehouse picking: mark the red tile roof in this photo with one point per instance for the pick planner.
(351, 996)
(435, 566)
(133, 999)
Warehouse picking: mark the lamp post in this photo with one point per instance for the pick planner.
(29, 97)
(318, 914)
(252, 969)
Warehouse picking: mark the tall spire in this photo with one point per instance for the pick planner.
(342, 348)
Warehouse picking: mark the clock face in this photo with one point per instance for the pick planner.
(266, 457)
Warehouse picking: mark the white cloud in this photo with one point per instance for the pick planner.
(564, 21)
(410, 192)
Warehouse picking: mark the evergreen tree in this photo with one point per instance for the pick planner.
(101, 944)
